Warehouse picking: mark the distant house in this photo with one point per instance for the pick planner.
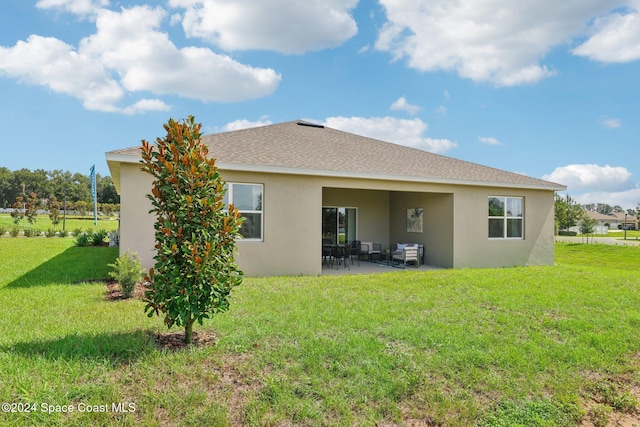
(298, 184)
(614, 221)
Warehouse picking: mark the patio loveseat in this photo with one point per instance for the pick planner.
(407, 254)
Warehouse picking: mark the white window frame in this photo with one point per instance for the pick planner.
(229, 196)
(505, 218)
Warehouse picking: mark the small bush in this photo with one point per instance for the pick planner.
(14, 232)
(30, 232)
(50, 233)
(127, 271)
(77, 232)
(98, 237)
(63, 233)
(567, 233)
(2, 231)
(84, 238)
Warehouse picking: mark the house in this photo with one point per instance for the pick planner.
(615, 220)
(623, 220)
(297, 183)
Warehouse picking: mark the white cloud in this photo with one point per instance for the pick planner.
(129, 54)
(47, 61)
(442, 110)
(146, 105)
(287, 26)
(616, 38)
(498, 41)
(489, 140)
(77, 7)
(405, 132)
(591, 177)
(401, 104)
(610, 123)
(244, 124)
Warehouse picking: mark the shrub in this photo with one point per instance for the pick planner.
(14, 232)
(567, 233)
(98, 237)
(63, 233)
(30, 232)
(77, 232)
(50, 233)
(2, 231)
(127, 271)
(84, 238)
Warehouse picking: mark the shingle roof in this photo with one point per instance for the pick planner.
(302, 148)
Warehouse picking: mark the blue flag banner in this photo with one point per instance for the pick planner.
(94, 194)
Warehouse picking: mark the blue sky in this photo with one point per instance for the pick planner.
(540, 87)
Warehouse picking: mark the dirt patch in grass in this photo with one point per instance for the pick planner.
(613, 400)
(229, 381)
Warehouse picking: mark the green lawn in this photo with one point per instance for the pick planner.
(518, 346)
(43, 223)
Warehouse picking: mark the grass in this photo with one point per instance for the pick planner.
(490, 347)
(43, 223)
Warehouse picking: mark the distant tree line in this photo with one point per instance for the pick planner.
(47, 184)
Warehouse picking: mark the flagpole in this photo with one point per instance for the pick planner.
(94, 195)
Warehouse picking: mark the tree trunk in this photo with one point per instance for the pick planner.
(188, 330)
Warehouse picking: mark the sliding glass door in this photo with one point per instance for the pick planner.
(339, 225)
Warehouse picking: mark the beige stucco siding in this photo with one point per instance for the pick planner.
(291, 236)
(472, 247)
(136, 224)
(454, 225)
(292, 208)
(437, 234)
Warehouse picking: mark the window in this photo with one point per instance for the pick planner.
(247, 198)
(506, 216)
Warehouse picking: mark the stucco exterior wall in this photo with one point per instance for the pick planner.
(291, 207)
(437, 234)
(454, 233)
(136, 223)
(472, 247)
(292, 210)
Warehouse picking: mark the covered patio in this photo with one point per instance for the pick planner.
(385, 218)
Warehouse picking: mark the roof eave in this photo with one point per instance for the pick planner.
(386, 177)
(114, 158)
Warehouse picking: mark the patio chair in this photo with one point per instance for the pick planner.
(354, 251)
(340, 253)
(326, 252)
(370, 249)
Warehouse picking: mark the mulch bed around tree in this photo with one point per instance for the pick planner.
(167, 340)
(114, 291)
(175, 340)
